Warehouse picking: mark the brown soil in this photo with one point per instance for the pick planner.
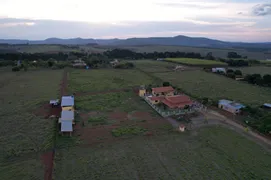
(43, 110)
(102, 133)
(118, 116)
(47, 159)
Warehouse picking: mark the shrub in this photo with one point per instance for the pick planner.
(125, 66)
(166, 84)
(16, 68)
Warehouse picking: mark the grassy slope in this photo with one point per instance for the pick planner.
(21, 131)
(195, 61)
(104, 79)
(202, 84)
(225, 155)
(256, 69)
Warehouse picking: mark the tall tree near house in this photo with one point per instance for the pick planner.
(238, 73)
(267, 79)
(166, 84)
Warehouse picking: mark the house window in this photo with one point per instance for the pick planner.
(156, 101)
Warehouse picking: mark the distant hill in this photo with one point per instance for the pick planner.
(172, 41)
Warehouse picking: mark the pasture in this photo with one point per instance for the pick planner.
(255, 70)
(208, 153)
(154, 66)
(190, 61)
(24, 129)
(202, 84)
(106, 79)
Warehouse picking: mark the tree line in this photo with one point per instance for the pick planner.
(94, 59)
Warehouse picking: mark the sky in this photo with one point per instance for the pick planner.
(228, 20)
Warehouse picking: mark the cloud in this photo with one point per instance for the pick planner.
(13, 24)
(190, 5)
(223, 29)
(262, 9)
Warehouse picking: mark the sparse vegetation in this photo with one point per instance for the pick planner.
(190, 61)
(126, 131)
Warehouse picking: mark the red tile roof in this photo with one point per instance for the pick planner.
(163, 89)
(178, 101)
(155, 98)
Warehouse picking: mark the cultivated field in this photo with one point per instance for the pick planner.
(203, 84)
(255, 70)
(106, 79)
(24, 130)
(190, 61)
(100, 114)
(210, 153)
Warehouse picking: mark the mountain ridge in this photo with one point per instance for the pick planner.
(179, 40)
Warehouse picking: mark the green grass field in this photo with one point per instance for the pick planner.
(211, 153)
(106, 79)
(203, 84)
(154, 66)
(190, 61)
(123, 101)
(22, 130)
(255, 70)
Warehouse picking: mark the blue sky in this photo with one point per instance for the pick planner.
(229, 20)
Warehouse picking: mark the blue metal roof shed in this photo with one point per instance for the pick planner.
(66, 126)
(67, 115)
(67, 101)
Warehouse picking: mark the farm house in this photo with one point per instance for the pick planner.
(177, 101)
(230, 106)
(165, 95)
(163, 91)
(67, 103)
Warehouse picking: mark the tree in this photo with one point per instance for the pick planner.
(50, 63)
(233, 55)
(230, 71)
(166, 84)
(267, 79)
(238, 73)
(16, 68)
(209, 56)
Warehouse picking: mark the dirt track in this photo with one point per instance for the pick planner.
(48, 157)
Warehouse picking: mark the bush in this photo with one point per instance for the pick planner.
(166, 84)
(16, 68)
(125, 66)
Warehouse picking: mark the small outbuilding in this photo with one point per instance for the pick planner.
(67, 103)
(182, 128)
(267, 105)
(54, 102)
(67, 116)
(66, 127)
(219, 70)
(230, 106)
